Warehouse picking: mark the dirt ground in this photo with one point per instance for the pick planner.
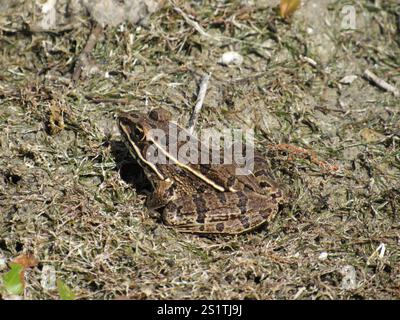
(68, 188)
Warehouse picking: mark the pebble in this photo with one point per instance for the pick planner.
(231, 58)
(323, 256)
(348, 79)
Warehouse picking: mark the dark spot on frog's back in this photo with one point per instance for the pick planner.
(220, 227)
(266, 213)
(204, 168)
(200, 203)
(202, 188)
(221, 197)
(201, 217)
(242, 201)
(201, 208)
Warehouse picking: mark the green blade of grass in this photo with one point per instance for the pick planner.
(64, 291)
(12, 280)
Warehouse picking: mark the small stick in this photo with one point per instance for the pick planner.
(310, 61)
(381, 83)
(192, 23)
(95, 33)
(199, 103)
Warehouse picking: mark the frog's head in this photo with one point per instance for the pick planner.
(145, 135)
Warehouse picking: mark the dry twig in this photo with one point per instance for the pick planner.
(97, 30)
(381, 83)
(192, 23)
(199, 102)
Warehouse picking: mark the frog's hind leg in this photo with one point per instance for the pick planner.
(220, 213)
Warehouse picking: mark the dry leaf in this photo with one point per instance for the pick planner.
(288, 7)
(26, 260)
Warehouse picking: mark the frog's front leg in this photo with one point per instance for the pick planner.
(162, 194)
(220, 212)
